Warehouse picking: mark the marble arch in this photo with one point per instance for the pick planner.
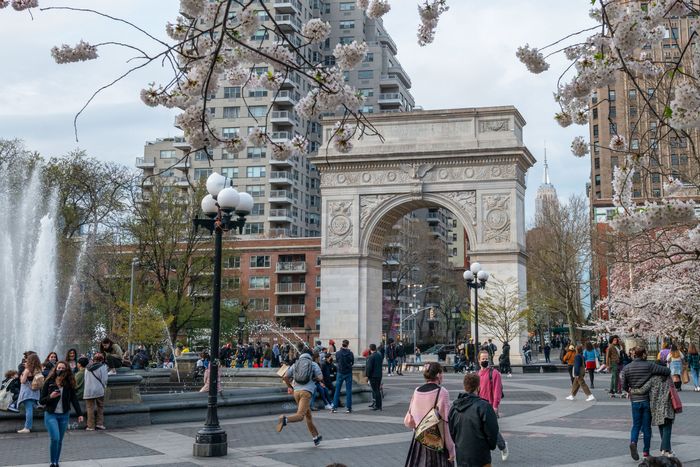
(471, 161)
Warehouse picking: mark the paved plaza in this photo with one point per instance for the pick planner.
(541, 427)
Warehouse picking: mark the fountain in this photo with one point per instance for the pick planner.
(28, 253)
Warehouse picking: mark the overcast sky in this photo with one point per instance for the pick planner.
(471, 63)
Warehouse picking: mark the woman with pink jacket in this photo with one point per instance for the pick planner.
(426, 397)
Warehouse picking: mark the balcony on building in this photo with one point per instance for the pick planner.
(291, 267)
(290, 289)
(180, 142)
(280, 215)
(390, 99)
(280, 196)
(286, 96)
(145, 162)
(183, 164)
(283, 116)
(389, 80)
(279, 232)
(401, 74)
(290, 310)
(182, 182)
(288, 23)
(386, 40)
(288, 6)
(283, 177)
(280, 136)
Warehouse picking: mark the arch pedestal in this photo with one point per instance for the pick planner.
(470, 161)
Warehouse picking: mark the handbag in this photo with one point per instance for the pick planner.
(685, 375)
(5, 399)
(675, 400)
(430, 430)
(37, 382)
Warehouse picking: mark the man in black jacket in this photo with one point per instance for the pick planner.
(473, 425)
(373, 371)
(633, 376)
(345, 359)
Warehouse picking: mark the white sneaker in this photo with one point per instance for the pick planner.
(505, 453)
(329, 407)
(590, 398)
(24, 430)
(570, 398)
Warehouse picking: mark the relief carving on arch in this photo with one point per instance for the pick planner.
(467, 200)
(339, 231)
(368, 204)
(496, 218)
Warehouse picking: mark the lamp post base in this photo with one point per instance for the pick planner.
(210, 443)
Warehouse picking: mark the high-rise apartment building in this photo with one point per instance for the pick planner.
(286, 193)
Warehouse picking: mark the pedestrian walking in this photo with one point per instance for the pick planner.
(301, 380)
(547, 351)
(345, 360)
(400, 358)
(568, 360)
(579, 374)
(96, 376)
(373, 371)
(675, 363)
(662, 357)
(633, 376)
(590, 358)
(428, 416)
(504, 361)
(613, 358)
(662, 412)
(491, 390)
(473, 425)
(694, 366)
(57, 396)
(31, 380)
(390, 358)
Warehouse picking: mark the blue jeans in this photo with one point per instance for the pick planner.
(665, 433)
(250, 363)
(324, 395)
(641, 421)
(347, 379)
(56, 425)
(267, 363)
(419, 359)
(695, 374)
(391, 366)
(28, 412)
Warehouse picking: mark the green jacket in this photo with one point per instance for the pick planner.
(80, 383)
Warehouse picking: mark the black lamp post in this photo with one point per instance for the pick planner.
(241, 322)
(481, 276)
(219, 207)
(456, 315)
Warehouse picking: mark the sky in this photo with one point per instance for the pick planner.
(471, 63)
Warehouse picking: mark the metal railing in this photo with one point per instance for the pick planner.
(291, 266)
(290, 309)
(290, 288)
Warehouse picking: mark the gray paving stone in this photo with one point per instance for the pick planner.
(34, 448)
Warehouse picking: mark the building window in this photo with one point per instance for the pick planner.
(167, 154)
(674, 159)
(349, 24)
(255, 172)
(596, 163)
(611, 95)
(231, 283)
(259, 304)
(369, 57)
(636, 194)
(656, 193)
(260, 261)
(201, 155)
(612, 112)
(634, 143)
(232, 262)
(595, 114)
(318, 281)
(365, 74)
(613, 128)
(318, 303)
(257, 93)
(232, 92)
(366, 92)
(260, 35)
(595, 131)
(597, 180)
(252, 228)
(632, 94)
(633, 111)
(346, 40)
(256, 191)
(367, 109)
(655, 178)
(347, 6)
(202, 174)
(259, 282)
(229, 172)
(232, 112)
(258, 209)
(257, 110)
(256, 153)
(229, 132)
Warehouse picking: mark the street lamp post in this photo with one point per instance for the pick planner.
(134, 262)
(241, 322)
(476, 279)
(219, 207)
(456, 315)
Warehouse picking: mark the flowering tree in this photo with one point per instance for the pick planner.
(221, 42)
(619, 47)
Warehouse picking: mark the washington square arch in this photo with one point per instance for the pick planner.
(471, 161)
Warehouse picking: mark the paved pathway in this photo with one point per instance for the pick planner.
(541, 427)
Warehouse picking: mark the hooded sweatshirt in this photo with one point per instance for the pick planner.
(95, 381)
(474, 429)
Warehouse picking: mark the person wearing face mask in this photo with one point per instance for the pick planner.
(57, 395)
(491, 390)
(427, 397)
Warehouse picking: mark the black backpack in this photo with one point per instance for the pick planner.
(303, 369)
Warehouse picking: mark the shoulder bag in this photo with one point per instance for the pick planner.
(37, 382)
(430, 430)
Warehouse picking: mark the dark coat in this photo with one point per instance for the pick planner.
(474, 428)
(69, 398)
(345, 359)
(373, 367)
